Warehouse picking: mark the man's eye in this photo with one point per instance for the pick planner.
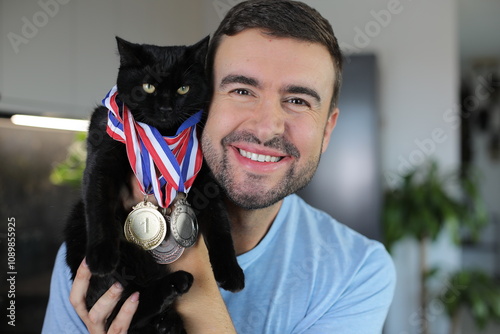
(298, 101)
(241, 91)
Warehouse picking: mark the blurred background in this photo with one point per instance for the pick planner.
(421, 85)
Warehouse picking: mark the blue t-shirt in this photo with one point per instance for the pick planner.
(309, 274)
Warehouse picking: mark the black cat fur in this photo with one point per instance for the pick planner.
(94, 228)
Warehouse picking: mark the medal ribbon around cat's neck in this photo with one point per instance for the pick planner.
(178, 158)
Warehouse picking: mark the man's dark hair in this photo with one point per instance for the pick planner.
(280, 18)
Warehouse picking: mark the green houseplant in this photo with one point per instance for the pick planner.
(422, 205)
(70, 171)
(475, 290)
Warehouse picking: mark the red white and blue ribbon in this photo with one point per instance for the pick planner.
(163, 165)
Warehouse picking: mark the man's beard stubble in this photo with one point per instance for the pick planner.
(294, 179)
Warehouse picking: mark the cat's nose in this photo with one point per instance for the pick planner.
(166, 109)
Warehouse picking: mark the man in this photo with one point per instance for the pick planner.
(275, 68)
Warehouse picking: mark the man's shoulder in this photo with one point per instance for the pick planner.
(318, 232)
(316, 220)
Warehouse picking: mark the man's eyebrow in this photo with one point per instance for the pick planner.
(241, 79)
(303, 90)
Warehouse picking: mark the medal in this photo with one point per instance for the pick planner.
(168, 251)
(165, 166)
(145, 226)
(183, 223)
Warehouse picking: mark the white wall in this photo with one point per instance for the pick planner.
(416, 45)
(417, 53)
(59, 56)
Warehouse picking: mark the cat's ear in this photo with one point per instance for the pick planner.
(200, 49)
(129, 52)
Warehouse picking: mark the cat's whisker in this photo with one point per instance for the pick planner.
(188, 69)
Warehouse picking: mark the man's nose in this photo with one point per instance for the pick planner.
(268, 120)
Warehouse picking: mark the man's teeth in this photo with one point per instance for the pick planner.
(259, 157)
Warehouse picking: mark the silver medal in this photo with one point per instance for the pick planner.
(183, 223)
(145, 226)
(168, 251)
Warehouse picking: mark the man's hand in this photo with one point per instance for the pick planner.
(202, 308)
(95, 319)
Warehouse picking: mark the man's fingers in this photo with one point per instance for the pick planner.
(105, 305)
(95, 319)
(122, 321)
(79, 290)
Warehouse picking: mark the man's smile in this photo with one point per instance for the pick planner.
(259, 157)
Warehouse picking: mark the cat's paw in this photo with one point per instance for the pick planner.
(170, 323)
(180, 281)
(102, 258)
(168, 328)
(229, 276)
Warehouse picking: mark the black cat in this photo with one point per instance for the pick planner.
(162, 87)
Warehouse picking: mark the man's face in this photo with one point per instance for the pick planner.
(269, 118)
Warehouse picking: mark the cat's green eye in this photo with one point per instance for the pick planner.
(148, 88)
(183, 90)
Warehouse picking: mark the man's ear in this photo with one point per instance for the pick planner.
(330, 125)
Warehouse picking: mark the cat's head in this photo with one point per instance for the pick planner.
(162, 85)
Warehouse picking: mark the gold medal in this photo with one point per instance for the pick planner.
(145, 226)
(183, 223)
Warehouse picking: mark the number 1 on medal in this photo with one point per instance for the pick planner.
(146, 225)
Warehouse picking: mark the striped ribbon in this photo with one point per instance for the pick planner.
(163, 165)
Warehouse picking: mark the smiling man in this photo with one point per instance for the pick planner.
(270, 116)
(270, 119)
(275, 68)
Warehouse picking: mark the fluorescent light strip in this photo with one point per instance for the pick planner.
(51, 122)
